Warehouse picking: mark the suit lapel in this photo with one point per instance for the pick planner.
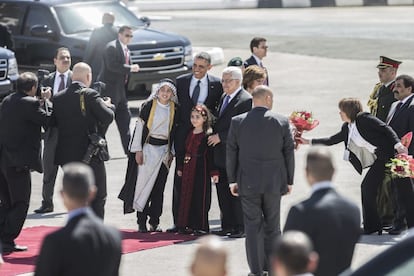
(231, 104)
(396, 113)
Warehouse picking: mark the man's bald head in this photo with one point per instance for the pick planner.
(262, 96)
(210, 258)
(82, 72)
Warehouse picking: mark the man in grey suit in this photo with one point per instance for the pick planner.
(260, 167)
(331, 221)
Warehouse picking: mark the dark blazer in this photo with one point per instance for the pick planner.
(21, 119)
(215, 90)
(332, 223)
(96, 45)
(373, 130)
(252, 61)
(85, 246)
(114, 72)
(260, 152)
(72, 126)
(241, 103)
(403, 120)
(50, 80)
(385, 99)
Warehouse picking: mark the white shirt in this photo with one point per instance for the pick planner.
(258, 60)
(56, 83)
(356, 137)
(203, 88)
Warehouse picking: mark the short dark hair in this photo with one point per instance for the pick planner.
(255, 42)
(319, 164)
(123, 28)
(351, 107)
(26, 81)
(78, 181)
(407, 80)
(204, 55)
(60, 49)
(293, 249)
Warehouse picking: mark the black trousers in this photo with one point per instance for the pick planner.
(49, 168)
(123, 119)
(15, 189)
(153, 208)
(230, 206)
(369, 191)
(405, 197)
(176, 196)
(99, 171)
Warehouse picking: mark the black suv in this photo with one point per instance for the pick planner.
(8, 71)
(39, 27)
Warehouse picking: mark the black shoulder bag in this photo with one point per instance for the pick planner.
(97, 144)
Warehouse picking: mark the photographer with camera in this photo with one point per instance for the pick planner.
(82, 116)
(54, 82)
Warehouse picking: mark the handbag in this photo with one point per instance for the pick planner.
(97, 143)
(365, 157)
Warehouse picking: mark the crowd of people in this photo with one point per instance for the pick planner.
(220, 131)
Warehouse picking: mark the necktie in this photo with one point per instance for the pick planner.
(196, 93)
(62, 82)
(225, 103)
(397, 109)
(264, 68)
(126, 56)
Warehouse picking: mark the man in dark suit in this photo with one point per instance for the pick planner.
(401, 119)
(193, 88)
(98, 39)
(6, 39)
(235, 101)
(85, 246)
(114, 73)
(55, 82)
(74, 126)
(258, 48)
(331, 221)
(21, 119)
(260, 168)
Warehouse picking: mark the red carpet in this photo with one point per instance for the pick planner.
(132, 241)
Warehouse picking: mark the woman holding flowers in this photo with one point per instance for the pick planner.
(365, 137)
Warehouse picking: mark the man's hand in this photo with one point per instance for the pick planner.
(179, 173)
(215, 178)
(289, 189)
(213, 140)
(134, 68)
(234, 189)
(400, 148)
(139, 157)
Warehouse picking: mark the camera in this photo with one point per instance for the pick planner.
(97, 147)
(98, 86)
(41, 75)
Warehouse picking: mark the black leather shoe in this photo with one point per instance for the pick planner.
(237, 235)
(395, 230)
(200, 233)
(173, 229)
(155, 228)
(224, 232)
(185, 231)
(44, 209)
(142, 228)
(369, 232)
(14, 248)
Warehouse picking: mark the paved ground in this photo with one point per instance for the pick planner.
(317, 56)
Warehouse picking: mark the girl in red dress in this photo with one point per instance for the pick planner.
(197, 172)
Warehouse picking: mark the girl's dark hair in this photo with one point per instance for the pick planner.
(205, 113)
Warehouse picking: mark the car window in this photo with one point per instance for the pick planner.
(85, 17)
(38, 16)
(11, 15)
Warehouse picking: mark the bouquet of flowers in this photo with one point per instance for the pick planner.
(401, 166)
(302, 121)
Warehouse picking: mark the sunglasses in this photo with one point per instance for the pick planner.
(128, 35)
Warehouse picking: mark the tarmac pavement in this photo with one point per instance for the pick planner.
(317, 57)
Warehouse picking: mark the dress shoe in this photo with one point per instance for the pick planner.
(142, 228)
(173, 229)
(237, 234)
(44, 209)
(155, 228)
(200, 233)
(369, 232)
(224, 232)
(396, 230)
(185, 231)
(14, 248)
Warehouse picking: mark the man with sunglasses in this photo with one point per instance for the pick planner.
(258, 48)
(115, 74)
